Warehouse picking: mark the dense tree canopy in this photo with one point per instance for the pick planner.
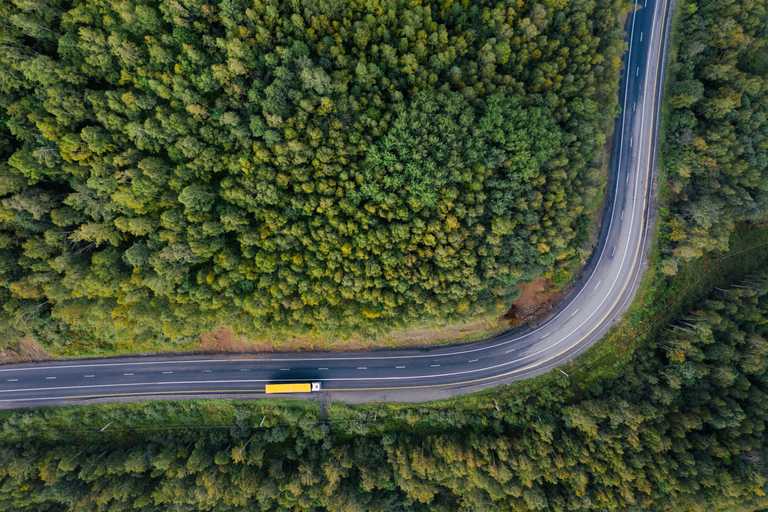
(683, 429)
(717, 141)
(167, 167)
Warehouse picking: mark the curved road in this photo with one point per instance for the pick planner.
(603, 294)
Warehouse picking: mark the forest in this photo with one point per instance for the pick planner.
(681, 429)
(716, 151)
(346, 166)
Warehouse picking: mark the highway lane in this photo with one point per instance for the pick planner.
(608, 284)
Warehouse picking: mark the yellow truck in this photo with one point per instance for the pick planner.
(297, 387)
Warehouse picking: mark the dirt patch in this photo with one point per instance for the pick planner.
(26, 349)
(536, 299)
(223, 340)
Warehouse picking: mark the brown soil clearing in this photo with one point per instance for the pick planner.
(26, 349)
(536, 299)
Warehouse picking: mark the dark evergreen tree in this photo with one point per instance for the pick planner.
(717, 141)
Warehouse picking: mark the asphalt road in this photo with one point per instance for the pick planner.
(608, 284)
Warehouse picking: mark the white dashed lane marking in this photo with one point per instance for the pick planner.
(434, 366)
(127, 374)
(50, 378)
(12, 380)
(167, 373)
(89, 376)
(400, 367)
(362, 367)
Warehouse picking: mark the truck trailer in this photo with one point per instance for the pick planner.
(294, 387)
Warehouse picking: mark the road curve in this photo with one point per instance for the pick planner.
(604, 292)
